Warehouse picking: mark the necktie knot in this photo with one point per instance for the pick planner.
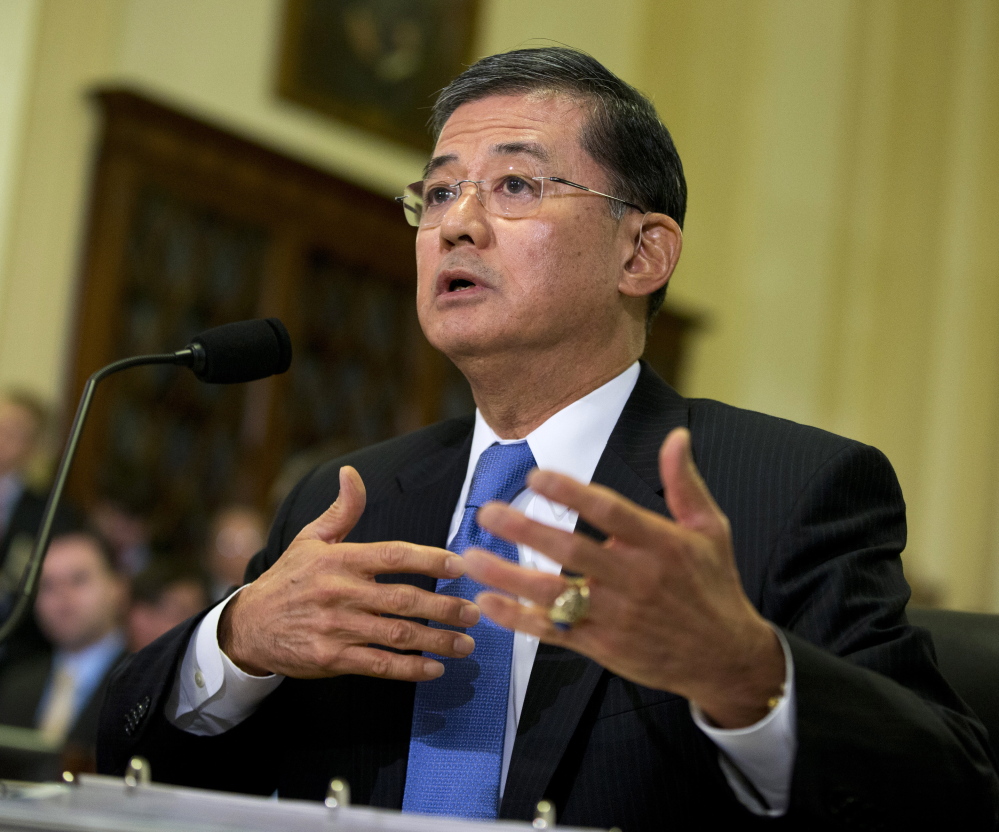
(500, 473)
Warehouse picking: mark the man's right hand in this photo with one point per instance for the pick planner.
(314, 612)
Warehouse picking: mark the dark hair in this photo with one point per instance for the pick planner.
(623, 133)
(150, 585)
(98, 542)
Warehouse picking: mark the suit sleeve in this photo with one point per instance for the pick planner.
(883, 741)
(133, 722)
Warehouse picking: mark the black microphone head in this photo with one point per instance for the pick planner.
(242, 351)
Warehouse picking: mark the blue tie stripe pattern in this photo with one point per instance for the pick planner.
(459, 720)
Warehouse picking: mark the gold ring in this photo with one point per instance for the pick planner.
(572, 605)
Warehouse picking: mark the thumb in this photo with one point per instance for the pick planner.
(334, 524)
(687, 496)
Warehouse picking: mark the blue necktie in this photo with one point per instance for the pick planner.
(459, 720)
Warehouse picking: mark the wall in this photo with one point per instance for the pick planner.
(18, 30)
(845, 191)
(73, 47)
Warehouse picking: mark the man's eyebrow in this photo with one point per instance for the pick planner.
(534, 149)
(439, 162)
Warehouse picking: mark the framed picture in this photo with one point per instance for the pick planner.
(375, 63)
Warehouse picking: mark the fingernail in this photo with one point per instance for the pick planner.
(433, 669)
(454, 566)
(463, 645)
(469, 615)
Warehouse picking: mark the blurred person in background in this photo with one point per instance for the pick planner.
(237, 533)
(23, 421)
(121, 515)
(80, 603)
(164, 594)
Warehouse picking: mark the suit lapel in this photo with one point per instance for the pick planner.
(421, 508)
(562, 682)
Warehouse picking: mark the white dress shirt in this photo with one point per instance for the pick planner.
(211, 694)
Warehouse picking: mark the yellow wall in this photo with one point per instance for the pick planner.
(71, 46)
(844, 200)
(845, 193)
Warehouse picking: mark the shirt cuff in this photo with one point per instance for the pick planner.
(758, 760)
(210, 694)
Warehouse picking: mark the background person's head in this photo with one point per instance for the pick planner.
(163, 595)
(622, 133)
(81, 596)
(236, 534)
(22, 422)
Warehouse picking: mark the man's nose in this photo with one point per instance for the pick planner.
(465, 218)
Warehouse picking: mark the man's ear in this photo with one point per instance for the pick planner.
(657, 241)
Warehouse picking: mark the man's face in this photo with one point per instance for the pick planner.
(549, 281)
(79, 597)
(18, 432)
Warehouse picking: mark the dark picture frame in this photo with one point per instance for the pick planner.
(375, 64)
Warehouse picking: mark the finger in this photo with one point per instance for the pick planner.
(334, 524)
(516, 616)
(413, 602)
(600, 506)
(402, 634)
(687, 496)
(399, 557)
(488, 569)
(370, 661)
(574, 551)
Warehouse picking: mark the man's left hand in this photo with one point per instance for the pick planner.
(667, 608)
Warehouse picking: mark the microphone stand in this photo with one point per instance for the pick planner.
(190, 356)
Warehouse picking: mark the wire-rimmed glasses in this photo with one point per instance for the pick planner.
(510, 195)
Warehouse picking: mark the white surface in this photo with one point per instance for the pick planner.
(105, 803)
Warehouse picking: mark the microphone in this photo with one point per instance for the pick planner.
(227, 354)
(243, 351)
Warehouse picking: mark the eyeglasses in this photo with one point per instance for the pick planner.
(509, 195)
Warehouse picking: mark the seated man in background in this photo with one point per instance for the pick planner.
(727, 643)
(80, 604)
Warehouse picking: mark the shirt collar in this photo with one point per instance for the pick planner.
(572, 441)
(93, 660)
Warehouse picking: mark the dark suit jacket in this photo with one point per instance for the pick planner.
(818, 524)
(21, 688)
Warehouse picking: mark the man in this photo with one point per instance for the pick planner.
(732, 650)
(22, 418)
(22, 422)
(79, 607)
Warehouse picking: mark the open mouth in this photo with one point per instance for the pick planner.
(456, 280)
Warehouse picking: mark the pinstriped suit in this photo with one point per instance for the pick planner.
(817, 521)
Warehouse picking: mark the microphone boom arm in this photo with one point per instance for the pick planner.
(29, 580)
